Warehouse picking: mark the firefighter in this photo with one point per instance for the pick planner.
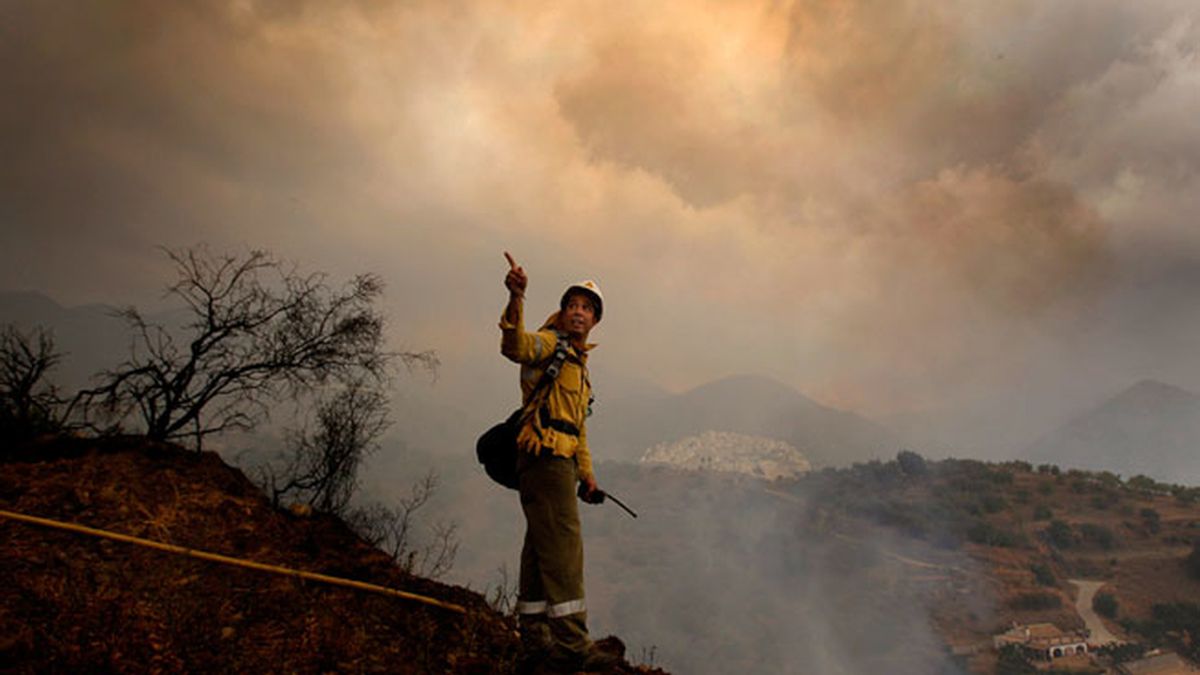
(554, 458)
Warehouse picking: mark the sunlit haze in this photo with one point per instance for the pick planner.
(968, 210)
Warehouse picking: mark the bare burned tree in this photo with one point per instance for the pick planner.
(321, 470)
(502, 596)
(323, 467)
(28, 405)
(393, 529)
(257, 331)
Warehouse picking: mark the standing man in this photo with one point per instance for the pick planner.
(552, 458)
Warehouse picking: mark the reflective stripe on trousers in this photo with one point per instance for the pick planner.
(553, 611)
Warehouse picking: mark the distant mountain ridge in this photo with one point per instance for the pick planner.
(633, 414)
(89, 337)
(743, 404)
(1150, 428)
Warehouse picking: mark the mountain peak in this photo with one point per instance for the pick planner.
(32, 303)
(1151, 394)
(1150, 428)
(1158, 387)
(746, 382)
(753, 390)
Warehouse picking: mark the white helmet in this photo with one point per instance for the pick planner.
(589, 287)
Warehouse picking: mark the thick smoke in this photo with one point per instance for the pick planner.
(975, 217)
(875, 190)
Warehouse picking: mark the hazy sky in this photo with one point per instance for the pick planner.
(891, 206)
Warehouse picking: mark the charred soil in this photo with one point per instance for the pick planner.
(74, 603)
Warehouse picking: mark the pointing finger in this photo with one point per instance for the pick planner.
(511, 263)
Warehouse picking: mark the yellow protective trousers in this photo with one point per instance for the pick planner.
(551, 586)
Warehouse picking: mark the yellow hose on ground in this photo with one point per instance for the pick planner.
(238, 562)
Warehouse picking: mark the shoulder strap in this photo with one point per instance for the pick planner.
(550, 374)
(560, 356)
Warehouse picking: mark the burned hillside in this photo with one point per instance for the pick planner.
(74, 603)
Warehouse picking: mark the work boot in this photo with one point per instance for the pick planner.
(596, 659)
(536, 643)
(561, 661)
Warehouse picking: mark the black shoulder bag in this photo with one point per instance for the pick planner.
(497, 449)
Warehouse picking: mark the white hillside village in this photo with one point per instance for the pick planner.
(724, 451)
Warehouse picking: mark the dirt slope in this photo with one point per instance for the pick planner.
(72, 603)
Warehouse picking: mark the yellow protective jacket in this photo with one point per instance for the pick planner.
(566, 400)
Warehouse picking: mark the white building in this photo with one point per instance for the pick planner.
(1044, 641)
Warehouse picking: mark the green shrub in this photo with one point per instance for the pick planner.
(1105, 604)
(902, 516)
(1177, 622)
(1105, 499)
(1036, 601)
(1098, 535)
(1013, 661)
(1043, 574)
(1000, 477)
(1192, 562)
(911, 463)
(1122, 652)
(1059, 534)
(1042, 512)
(1145, 483)
(993, 503)
(1152, 520)
(987, 534)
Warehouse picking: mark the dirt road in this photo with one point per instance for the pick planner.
(1083, 604)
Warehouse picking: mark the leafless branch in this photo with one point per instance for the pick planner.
(323, 470)
(430, 553)
(257, 331)
(28, 405)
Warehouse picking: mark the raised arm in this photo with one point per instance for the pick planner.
(515, 343)
(515, 281)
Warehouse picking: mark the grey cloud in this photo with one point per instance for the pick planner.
(147, 123)
(1128, 138)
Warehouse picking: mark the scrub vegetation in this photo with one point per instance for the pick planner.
(954, 502)
(1033, 528)
(1174, 624)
